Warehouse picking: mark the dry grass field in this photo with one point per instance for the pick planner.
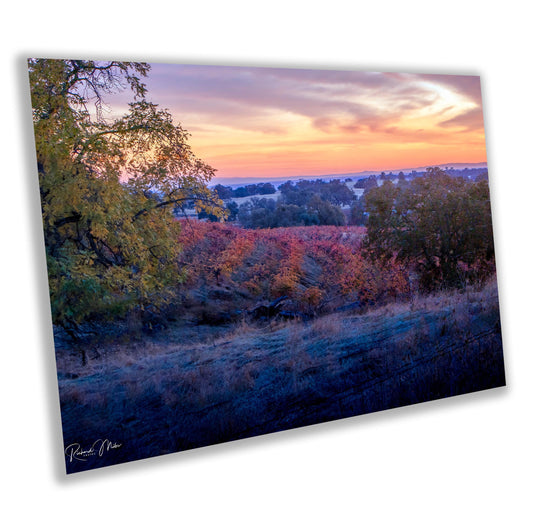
(198, 385)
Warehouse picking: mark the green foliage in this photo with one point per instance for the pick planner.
(108, 188)
(224, 192)
(326, 213)
(304, 203)
(246, 191)
(301, 193)
(439, 224)
(232, 210)
(357, 213)
(266, 213)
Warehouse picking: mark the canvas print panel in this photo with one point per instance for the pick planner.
(234, 251)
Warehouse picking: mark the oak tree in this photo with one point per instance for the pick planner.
(439, 224)
(108, 189)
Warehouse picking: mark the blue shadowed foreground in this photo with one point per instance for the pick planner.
(189, 387)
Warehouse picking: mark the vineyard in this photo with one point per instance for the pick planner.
(316, 269)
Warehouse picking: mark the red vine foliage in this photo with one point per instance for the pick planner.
(319, 268)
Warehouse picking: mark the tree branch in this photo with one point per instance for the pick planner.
(144, 211)
(75, 217)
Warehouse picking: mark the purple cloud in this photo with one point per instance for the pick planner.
(247, 98)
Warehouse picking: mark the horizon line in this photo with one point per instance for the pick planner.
(218, 179)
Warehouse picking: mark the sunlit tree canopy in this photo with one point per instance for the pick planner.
(109, 186)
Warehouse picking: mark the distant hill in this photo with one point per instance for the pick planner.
(481, 164)
(276, 181)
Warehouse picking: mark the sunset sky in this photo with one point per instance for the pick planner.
(271, 122)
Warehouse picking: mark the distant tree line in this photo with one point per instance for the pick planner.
(300, 193)
(366, 183)
(321, 202)
(227, 192)
(472, 174)
(301, 203)
(267, 213)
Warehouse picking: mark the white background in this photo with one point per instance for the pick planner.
(468, 455)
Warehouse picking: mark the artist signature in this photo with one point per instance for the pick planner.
(75, 451)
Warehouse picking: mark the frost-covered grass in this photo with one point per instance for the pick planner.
(194, 387)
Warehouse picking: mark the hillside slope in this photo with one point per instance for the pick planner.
(182, 392)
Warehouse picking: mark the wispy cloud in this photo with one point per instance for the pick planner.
(471, 120)
(245, 118)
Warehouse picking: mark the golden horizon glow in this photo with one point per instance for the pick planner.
(261, 122)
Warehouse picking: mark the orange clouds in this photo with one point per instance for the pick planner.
(278, 122)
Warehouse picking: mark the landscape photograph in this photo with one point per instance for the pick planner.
(234, 251)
